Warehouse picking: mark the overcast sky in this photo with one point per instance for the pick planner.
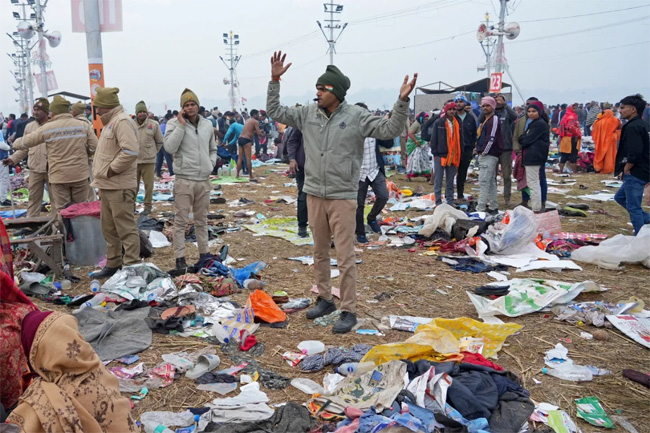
(566, 50)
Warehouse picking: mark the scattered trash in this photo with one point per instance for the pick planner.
(590, 409)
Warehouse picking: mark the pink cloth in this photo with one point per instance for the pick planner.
(78, 209)
(519, 172)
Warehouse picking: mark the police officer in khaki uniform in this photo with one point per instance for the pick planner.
(69, 142)
(37, 161)
(114, 170)
(150, 140)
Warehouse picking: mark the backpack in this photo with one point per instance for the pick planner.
(427, 129)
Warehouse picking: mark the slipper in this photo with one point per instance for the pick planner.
(31, 288)
(180, 311)
(583, 186)
(204, 364)
(569, 211)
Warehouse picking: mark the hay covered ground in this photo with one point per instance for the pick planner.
(405, 277)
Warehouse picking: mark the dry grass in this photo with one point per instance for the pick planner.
(402, 274)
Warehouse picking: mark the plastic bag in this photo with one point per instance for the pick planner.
(439, 341)
(418, 162)
(612, 252)
(517, 234)
(548, 222)
(264, 308)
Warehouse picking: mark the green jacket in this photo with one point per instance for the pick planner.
(334, 146)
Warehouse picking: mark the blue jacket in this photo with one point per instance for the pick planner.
(234, 131)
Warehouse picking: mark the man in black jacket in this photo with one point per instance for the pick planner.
(446, 148)
(633, 160)
(468, 122)
(296, 153)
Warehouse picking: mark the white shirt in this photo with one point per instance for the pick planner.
(369, 167)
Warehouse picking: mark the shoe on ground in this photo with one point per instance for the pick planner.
(374, 226)
(302, 232)
(223, 253)
(362, 239)
(181, 264)
(345, 323)
(5, 203)
(569, 211)
(322, 308)
(106, 272)
(581, 206)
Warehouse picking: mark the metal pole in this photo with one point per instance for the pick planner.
(502, 17)
(95, 55)
(331, 32)
(41, 47)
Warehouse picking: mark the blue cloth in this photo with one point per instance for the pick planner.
(630, 196)
(7, 214)
(235, 131)
(240, 275)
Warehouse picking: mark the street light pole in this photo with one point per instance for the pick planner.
(41, 46)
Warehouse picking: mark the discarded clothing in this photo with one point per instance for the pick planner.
(115, 333)
(268, 378)
(290, 418)
(149, 223)
(334, 356)
(470, 264)
(492, 290)
(474, 394)
(216, 378)
(164, 326)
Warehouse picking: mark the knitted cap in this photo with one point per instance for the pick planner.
(537, 105)
(334, 81)
(42, 104)
(140, 106)
(461, 98)
(107, 97)
(78, 108)
(59, 105)
(188, 96)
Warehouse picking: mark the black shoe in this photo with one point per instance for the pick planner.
(362, 239)
(106, 272)
(302, 232)
(345, 324)
(181, 264)
(5, 203)
(322, 308)
(223, 253)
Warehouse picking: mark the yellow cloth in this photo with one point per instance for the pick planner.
(606, 133)
(439, 341)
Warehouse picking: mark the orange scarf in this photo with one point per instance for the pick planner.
(453, 145)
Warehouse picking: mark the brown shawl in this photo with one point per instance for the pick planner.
(74, 392)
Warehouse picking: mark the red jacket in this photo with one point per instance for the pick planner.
(569, 126)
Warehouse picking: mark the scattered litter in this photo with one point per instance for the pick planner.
(590, 409)
(637, 328)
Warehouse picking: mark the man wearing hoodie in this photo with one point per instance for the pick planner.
(150, 140)
(489, 147)
(334, 133)
(189, 138)
(114, 169)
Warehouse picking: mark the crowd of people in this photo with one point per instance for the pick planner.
(335, 158)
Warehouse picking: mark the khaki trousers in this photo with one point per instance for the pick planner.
(119, 227)
(195, 196)
(36, 183)
(64, 193)
(336, 218)
(146, 172)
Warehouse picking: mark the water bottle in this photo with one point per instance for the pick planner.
(222, 335)
(150, 428)
(95, 302)
(355, 368)
(311, 347)
(94, 286)
(575, 373)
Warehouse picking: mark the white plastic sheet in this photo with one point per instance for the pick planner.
(619, 249)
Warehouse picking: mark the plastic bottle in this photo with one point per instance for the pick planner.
(575, 373)
(311, 347)
(355, 368)
(94, 286)
(150, 428)
(222, 335)
(95, 302)
(66, 284)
